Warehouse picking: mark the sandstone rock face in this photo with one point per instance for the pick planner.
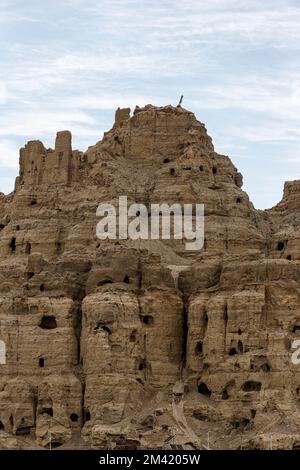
(136, 344)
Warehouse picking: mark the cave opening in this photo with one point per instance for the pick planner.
(58, 246)
(148, 320)
(48, 322)
(74, 417)
(232, 352)
(41, 362)
(280, 246)
(132, 337)
(126, 279)
(243, 423)
(142, 364)
(47, 411)
(199, 348)
(251, 386)
(266, 367)
(54, 444)
(203, 389)
(106, 329)
(28, 248)
(13, 245)
(22, 431)
(225, 395)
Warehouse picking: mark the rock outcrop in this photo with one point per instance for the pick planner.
(138, 344)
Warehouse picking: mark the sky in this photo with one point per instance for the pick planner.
(68, 64)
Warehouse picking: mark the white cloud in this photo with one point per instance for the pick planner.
(6, 184)
(171, 23)
(66, 63)
(280, 98)
(9, 156)
(38, 123)
(3, 92)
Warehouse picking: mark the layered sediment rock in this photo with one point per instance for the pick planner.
(136, 344)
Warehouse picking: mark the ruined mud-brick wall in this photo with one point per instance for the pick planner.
(98, 333)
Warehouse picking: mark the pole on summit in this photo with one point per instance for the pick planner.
(180, 101)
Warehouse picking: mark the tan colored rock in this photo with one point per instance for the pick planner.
(138, 344)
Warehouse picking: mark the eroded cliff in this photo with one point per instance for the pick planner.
(137, 344)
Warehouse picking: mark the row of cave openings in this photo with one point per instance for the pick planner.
(189, 168)
(256, 365)
(214, 171)
(23, 430)
(237, 348)
(241, 423)
(48, 322)
(13, 241)
(248, 386)
(141, 363)
(27, 251)
(146, 319)
(281, 245)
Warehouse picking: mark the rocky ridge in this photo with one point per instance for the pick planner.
(139, 344)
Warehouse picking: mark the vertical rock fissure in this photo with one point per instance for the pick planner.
(225, 324)
(185, 332)
(175, 271)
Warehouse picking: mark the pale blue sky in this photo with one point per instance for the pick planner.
(67, 64)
